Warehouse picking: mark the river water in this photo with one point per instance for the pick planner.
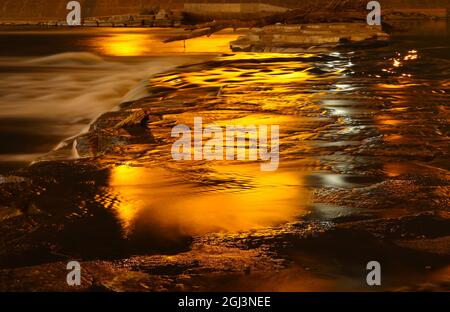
(54, 82)
(363, 137)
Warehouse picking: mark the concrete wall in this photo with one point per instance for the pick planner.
(56, 9)
(231, 10)
(244, 8)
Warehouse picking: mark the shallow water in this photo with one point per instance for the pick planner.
(348, 120)
(363, 137)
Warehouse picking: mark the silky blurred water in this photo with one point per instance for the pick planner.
(53, 83)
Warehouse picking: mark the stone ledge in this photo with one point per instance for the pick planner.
(297, 38)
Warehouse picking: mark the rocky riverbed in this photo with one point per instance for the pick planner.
(363, 176)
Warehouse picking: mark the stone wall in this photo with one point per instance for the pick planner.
(232, 10)
(56, 9)
(307, 37)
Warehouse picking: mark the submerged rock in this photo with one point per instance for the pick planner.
(11, 179)
(115, 130)
(8, 213)
(298, 38)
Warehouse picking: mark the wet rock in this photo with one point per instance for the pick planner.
(440, 245)
(442, 286)
(7, 213)
(47, 277)
(137, 120)
(424, 225)
(114, 131)
(11, 179)
(13, 196)
(131, 281)
(298, 38)
(98, 276)
(391, 194)
(279, 237)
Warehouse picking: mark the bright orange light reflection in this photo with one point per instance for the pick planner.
(124, 44)
(152, 197)
(132, 42)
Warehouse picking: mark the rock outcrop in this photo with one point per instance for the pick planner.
(297, 38)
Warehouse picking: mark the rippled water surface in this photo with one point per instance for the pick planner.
(364, 135)
(348, 120)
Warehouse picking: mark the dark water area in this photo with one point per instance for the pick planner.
(363, 173)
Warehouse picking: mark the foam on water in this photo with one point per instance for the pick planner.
(77, 86)
(69, 59)
(70, 90)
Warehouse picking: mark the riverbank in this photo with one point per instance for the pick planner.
(177, 18)
(162, 19)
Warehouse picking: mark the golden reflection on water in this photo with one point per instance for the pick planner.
(124, 44)
(152, 198)
(400, 61)
(135, 42)
(196, 198)
(236, 77)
